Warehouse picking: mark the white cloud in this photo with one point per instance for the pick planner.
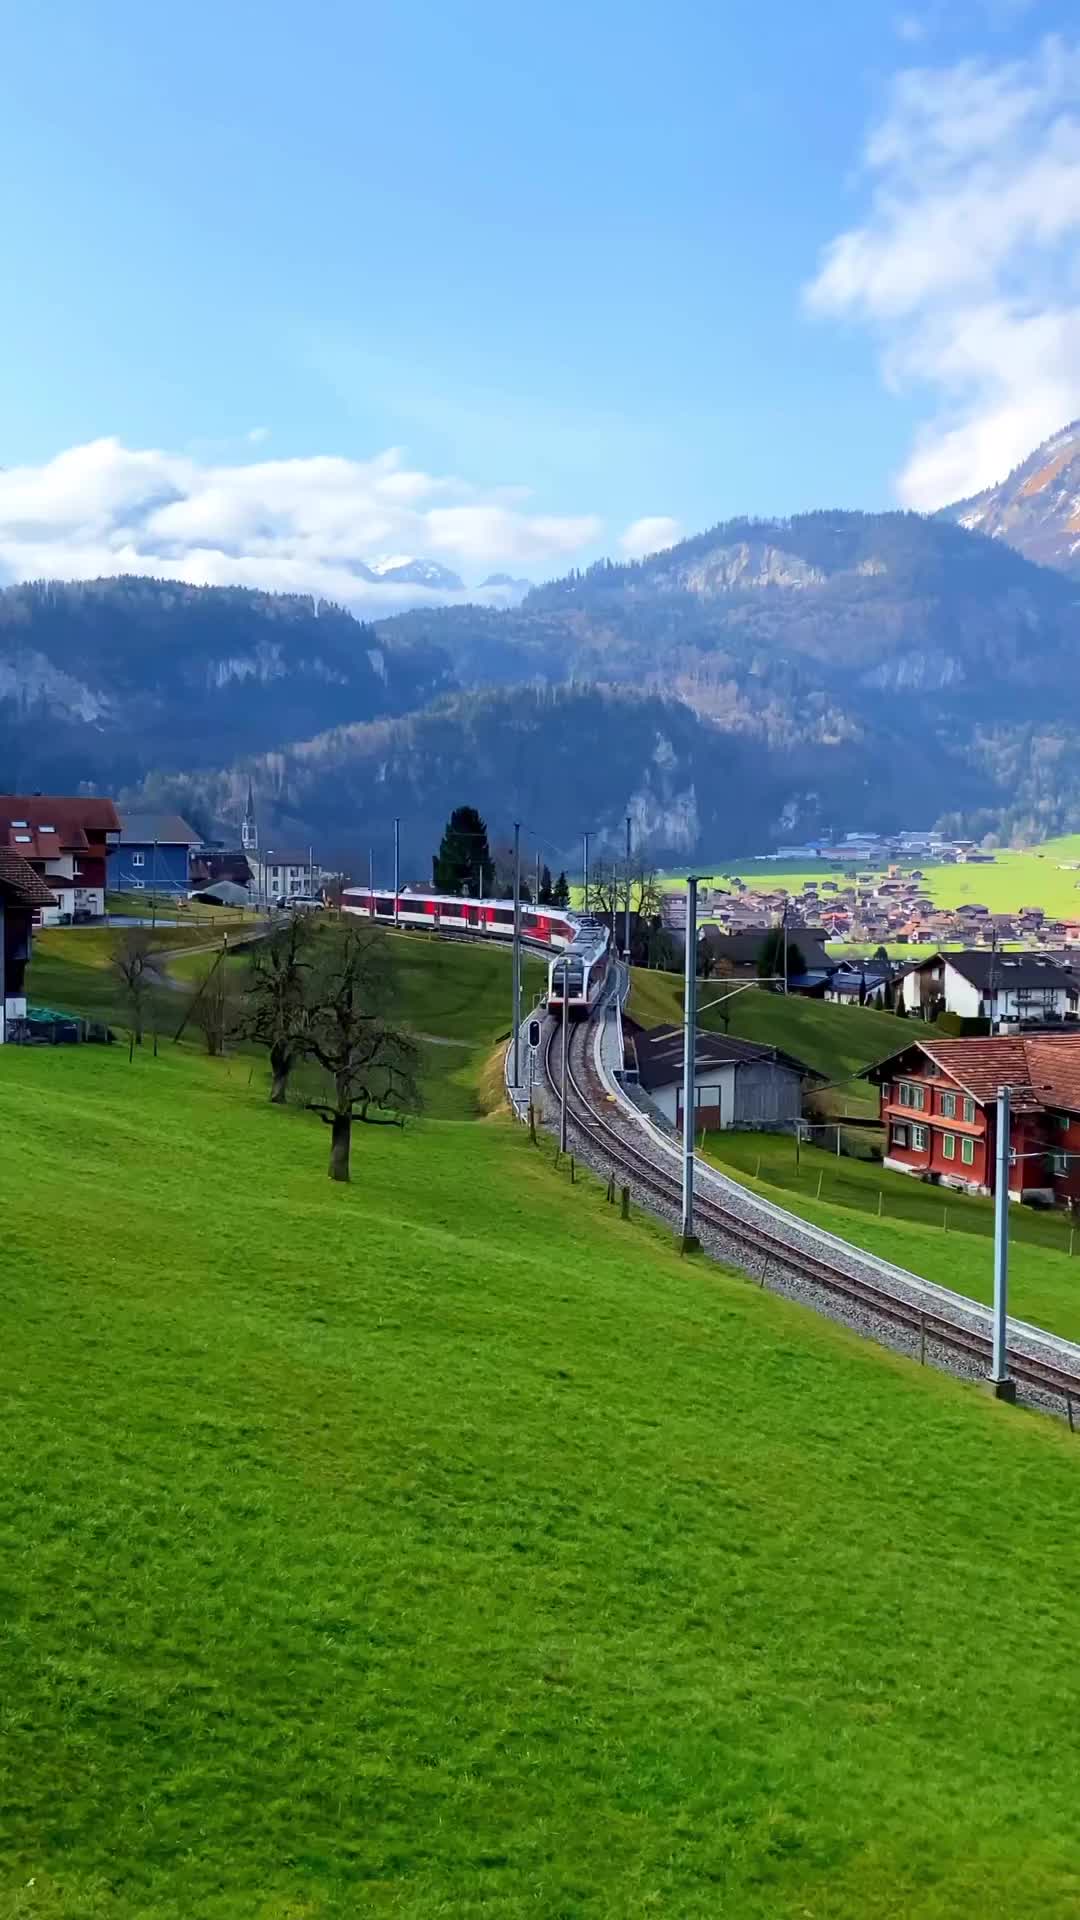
(304, 525)
(965, 265)
(651, 534)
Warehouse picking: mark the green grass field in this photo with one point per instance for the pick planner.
(835, 1040)
(441, 1545)
(456, 999)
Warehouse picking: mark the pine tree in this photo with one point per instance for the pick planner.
(545, 897)
(463, 863)
(560, 893)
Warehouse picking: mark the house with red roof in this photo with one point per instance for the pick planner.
(23, 895)
(67, 840)
(938, 1103)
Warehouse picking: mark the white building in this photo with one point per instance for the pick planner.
(1004, 988)
(282, 873)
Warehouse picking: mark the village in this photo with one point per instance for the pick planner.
(876, 894)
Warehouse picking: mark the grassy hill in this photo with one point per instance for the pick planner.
(456, 999)
(835, 1040)
(440, 1544)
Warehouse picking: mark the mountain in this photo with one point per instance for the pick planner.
(841, 668)
(554, 758)
(101, 680)
(519, 588)
(416, 573)
(1037, 509)
(753, 616)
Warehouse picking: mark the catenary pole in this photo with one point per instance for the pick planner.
(587, 836)
(517, 953)
(689, 1051)
(397, 869)
(1003, 1387)
(626, 930)
(565, 1049)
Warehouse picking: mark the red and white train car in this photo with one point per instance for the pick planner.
(494, 918)
(579, 969)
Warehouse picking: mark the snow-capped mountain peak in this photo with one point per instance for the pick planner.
(410, 572)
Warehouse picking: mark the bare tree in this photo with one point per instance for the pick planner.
(606, 892)
(645, 889)
(135, 971)
(370, 1067)
(214, 1010)
(276, 1002)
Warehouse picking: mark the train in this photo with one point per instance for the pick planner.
(580, 970)
(584, 943)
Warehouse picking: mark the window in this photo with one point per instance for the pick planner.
(948, 1106)
(20, 823)
(909, 1095)
(899, 1135)
(42, 828)
(918, 1139)
(967, 1152)
(948, 1146)
(969, 1109)
(1059, 1164)
(24, 839)
(138, 859)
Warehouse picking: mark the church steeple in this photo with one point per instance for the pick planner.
(249, 832)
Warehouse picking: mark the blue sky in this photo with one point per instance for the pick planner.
(572, 262)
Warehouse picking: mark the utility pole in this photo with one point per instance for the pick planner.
(562, 1095)
(587, 836)
(626, 932)
(517, 953)
(687, 1240)
(371, 877)
(784, 924)
(397, 869)
(536, 889)
(1000, 1384)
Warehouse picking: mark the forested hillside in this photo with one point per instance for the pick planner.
(764, 678)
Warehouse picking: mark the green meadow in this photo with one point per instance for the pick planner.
(442, 1545)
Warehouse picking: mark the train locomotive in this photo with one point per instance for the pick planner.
(580, 970)
(584, 942)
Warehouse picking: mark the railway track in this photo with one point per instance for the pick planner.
(760, 1251)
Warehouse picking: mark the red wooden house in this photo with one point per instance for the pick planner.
(67, 840)
(939, 1108)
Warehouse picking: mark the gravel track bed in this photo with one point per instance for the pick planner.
(790, 1278)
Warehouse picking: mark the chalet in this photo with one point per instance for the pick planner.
(153, 854)
(994, 986)
(737, 1083)
(23, 896)
(938, 1102)
(68, 841)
